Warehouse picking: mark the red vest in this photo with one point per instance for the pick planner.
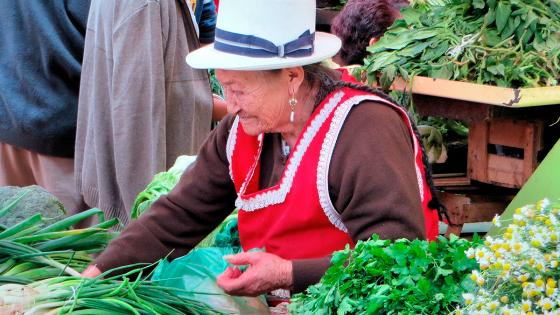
(296, 219)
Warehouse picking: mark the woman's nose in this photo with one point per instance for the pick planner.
(232, 106)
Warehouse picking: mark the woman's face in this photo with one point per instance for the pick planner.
(259, 98)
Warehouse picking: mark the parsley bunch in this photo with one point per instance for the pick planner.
(392, 277)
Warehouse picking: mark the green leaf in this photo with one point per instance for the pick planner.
(383, 60)
(491, 38)
(442, 272)
(444, 72)
(411, 16)
(435, 53)
(503, 11)
(512, 24)
(388, 76)
(478, 4)
(497, 70)
(413, 50)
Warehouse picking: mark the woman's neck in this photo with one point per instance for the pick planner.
(303, 110)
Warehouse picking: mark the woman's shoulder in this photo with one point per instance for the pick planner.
(370, 114)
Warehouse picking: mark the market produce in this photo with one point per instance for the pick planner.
(509, 43)
(519, 270)
(31, 250)
(161, 184)
(111, 295)
(400, 277)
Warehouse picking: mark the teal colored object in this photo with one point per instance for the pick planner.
(195, 275)
(544, 183)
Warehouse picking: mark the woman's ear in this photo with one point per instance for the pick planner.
(295, 77)
(373, 40)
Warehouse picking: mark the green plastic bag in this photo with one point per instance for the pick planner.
(196, 273)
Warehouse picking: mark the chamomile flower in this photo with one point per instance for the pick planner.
(519, 270)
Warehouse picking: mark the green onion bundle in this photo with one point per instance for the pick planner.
(127, 294)
(31, 251)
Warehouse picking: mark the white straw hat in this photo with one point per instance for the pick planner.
(265, 35)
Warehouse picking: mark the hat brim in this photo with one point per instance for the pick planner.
(326, 46)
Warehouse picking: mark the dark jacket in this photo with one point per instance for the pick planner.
(41, 45)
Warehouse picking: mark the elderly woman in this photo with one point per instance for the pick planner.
(313, 164)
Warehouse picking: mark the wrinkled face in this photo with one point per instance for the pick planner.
(259, 98)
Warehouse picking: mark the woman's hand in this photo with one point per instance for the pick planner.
(91, 272)
(265, 272)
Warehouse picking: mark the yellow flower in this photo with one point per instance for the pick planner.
(504, 299)
(526, 306)
(546, 304)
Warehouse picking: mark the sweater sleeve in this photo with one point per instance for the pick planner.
(372, 183)
(176, 222)
(207, 23)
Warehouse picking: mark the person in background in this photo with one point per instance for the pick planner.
(360, 24)
(42, 44)
(139, 106)
(312, 163)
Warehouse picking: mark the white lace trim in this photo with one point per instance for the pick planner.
(230, 144)
(327, 150)
(420, 181)
(278, 195)
(325, 156)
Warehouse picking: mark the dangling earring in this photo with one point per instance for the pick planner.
(292, 102)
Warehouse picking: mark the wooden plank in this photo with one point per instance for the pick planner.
(452, 181)
(449, 108)
(478, 151)
(511, 133)
(455, 205)
(531, 148)
(479, 93)
(483, 211)
(505, 171)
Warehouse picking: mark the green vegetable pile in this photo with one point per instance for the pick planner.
(31, 251)
(127, 294)
(508, 43)
(400, 277)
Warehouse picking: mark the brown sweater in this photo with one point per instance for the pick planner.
(372, 183)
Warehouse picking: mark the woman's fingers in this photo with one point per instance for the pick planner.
(91, 272)
(265, 272)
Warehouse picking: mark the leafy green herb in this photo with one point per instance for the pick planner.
(509, 43)
(400, 277)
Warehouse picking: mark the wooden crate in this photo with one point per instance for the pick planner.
(503, 170)
(464, 207)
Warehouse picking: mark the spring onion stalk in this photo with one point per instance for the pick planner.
(112, 295)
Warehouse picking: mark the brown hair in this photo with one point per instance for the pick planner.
(361, 20)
